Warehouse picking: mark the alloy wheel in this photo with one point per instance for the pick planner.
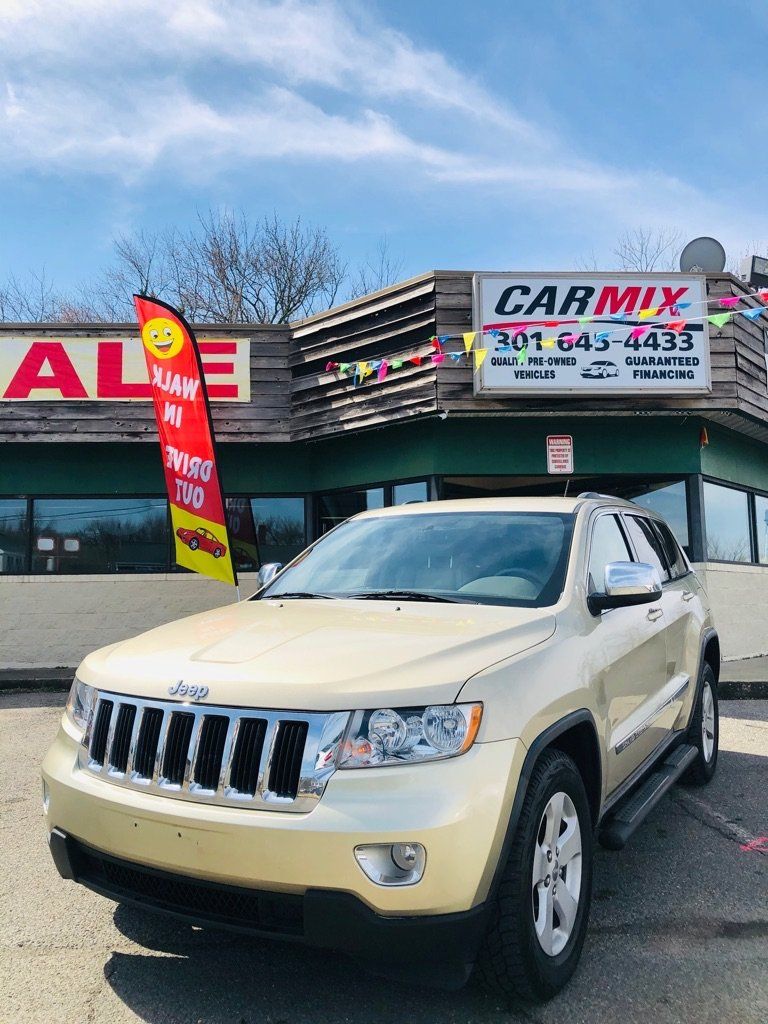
(556, 878)
(707, 722)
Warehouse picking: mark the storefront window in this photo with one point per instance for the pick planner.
(13, 535)
(93, 535)
(726, 511)
(333, 509)
(761, 517)
(264, 530)
(403, 494)
(668, 501)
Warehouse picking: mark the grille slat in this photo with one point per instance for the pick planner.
(286, 759)
(146, 745)
(177, 745)
(101, 731)
(210, 751)
(246, 759)
(121, 744)
(220, 755)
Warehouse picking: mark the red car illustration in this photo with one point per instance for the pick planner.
(202, 539)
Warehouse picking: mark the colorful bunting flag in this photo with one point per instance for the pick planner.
(570, 339)
(729, 301)
(585, 320)
(638, 332)
(753, 314)
(397, 364)
(456, 356)
(438, 357)
(416, 360)
(469, 340)
(480, 354)
(548, 343)
(383, 368)
(329, 367)
(719, 319)
(602, 335)
(515, 332)
(619, 316)
(522, 356)
(646, 314)
(676, 325)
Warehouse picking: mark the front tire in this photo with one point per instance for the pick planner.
(704, 730)
(541, 910)
(194, 544)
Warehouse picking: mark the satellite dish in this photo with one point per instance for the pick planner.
(703, 256)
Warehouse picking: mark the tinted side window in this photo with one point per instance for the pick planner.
(647, 544)
(608, 545)
(672, 552)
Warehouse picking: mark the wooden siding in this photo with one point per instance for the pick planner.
(294, 398)
(135, 421)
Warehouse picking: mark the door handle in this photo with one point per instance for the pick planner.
(687, 595)
(654, 613)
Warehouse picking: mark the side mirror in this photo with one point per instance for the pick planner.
(268, 571)
(626, 583)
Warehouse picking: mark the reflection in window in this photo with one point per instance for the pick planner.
(335, 508)
(761, 515)
(668, 500)
(13, 535)
(727, 524)
(265, 530)
(403, 494)
(94, 535)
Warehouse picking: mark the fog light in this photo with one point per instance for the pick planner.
(392, 863)
(46, 797)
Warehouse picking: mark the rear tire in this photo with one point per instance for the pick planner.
(537, 929)
(704, 730)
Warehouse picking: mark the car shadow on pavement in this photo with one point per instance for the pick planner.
(218, 976)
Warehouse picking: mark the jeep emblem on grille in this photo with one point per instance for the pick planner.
(188, 690)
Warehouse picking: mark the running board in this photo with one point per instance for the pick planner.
(629, 815)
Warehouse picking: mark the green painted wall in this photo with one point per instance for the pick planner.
(491, 445)
(740, 460)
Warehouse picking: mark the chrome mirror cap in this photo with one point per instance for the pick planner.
(631, 579)
(268, 571)
(626, 584)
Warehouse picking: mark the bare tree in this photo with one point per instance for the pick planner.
(378, 271)
(646, 249)
(31, 299)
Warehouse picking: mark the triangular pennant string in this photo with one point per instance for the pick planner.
(480, 354)
(469, 340)
(719, 319)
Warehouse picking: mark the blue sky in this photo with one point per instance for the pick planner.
(491, 135)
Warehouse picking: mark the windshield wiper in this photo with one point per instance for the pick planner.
(407, 595)
(292, 595)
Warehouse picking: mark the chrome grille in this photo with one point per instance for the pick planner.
(272, 760)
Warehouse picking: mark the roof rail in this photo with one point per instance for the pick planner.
(597, 494)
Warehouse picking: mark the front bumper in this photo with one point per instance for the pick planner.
(458, 809)
(320, 918)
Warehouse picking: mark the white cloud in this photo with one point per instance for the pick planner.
(122, 87)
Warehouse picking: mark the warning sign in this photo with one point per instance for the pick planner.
(559, 453)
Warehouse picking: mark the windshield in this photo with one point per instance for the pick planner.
(508, 558)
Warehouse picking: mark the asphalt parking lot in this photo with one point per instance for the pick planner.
(679, 922)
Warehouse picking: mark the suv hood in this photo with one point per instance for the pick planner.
(317, 655)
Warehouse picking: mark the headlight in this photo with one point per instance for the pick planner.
(404, 735)
(80, 704)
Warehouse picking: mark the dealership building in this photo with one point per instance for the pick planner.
(565, 382)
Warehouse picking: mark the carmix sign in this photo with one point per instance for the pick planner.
(559, 333)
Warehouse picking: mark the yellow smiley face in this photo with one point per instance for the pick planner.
(162, 337)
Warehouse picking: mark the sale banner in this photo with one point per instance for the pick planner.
(186, 439)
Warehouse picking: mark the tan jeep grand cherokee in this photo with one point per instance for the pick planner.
(403, 745)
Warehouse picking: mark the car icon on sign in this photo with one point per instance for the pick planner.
(600, 368)
(203, 540)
